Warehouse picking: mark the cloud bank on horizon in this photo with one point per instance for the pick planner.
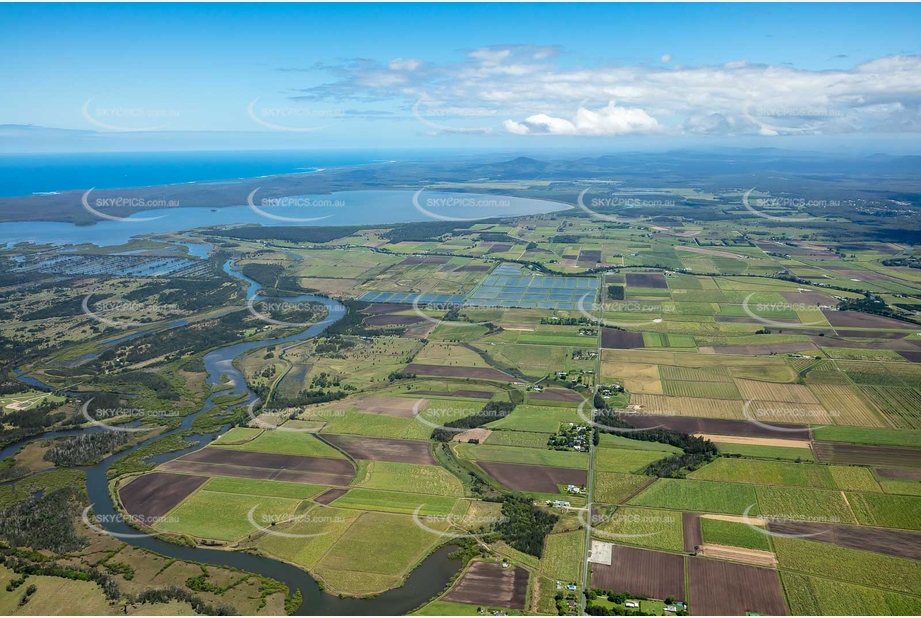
(523, 90)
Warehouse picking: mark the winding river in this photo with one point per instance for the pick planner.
(426, 580)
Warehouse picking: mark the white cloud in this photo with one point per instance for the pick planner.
(404, 64)
(733, 98)
(610, 120)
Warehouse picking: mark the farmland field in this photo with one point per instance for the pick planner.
(615, 488)
(703, 496)
(887, 511)
(395, 502)
(849, 565)
(804, 504)
(525, 456)
(825, 597)
(657, 575)
(409, 478)
(625, 460)
(562, 557)
(657, 529)
(733, 533)
(223, 516)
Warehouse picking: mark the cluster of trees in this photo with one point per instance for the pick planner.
(85, 449)
(43, 522)
(333, 345)
(291, 234)
(25, 566)
(176, 593)
(872, 304)
(697, 451)
(161, 387)
(492, 411)
(524, 526)
(21, 424)
(616, 292)
(427, 230)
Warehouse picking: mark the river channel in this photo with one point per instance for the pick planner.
(424, 582)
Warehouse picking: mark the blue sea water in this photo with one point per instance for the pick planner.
(27, 174)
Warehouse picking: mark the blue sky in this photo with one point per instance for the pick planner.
(134, 77)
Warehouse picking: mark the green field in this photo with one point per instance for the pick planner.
(733, 533)
(859, 435)
(808, 596)
(702, 496)
(537, 418)
(609, 440)
(525, 439)
(253, 487)
(317, 529)
(654, 528)
(562, 557)
(849, 565)
(395, 502)
(804, 504)
(286, 443)
(887, 511)
(527, 456)
(408, 478)
(765, 452)
(237, 434)
(625, 460)
(615, 488)
(379, 543)
(223, 516)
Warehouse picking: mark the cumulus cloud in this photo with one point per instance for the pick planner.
(609, 120)
(734, 98)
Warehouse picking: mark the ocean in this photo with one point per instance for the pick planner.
(27, 174)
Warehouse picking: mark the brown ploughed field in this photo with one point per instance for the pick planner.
(540, 479)
(901, 543)
(729, 589)
(384, 449)
(895, 456)
(155, 495)
(654, 574)
(620, 339)
(487, 583)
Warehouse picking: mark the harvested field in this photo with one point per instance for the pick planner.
(912, 357)
(479, 434)
(756, 557)
(728, 589)
(295, 468)
(477, 373)
(499, 247)
(473, 268)
(769, 391)
(601, 552)
(765, 348)
(248, 472)
(894, 473)
(487, 583)
(847, 406)
(540, 479)
(646, 280)
(654, 574)
(804, 444)
(470, 394)
(900, 543)
(861, 455)
(556, 394)
(154, 495)
(388, 406)
(328, 496)
(384, 449)
(738, 519)
(855, 319)
(657, 405)
(719, 427)
(381, 308)
(425, 259)
(393, 320)
(690, 522)
(620, 339)
(809, 298)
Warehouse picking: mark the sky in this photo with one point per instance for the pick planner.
(85, 77)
